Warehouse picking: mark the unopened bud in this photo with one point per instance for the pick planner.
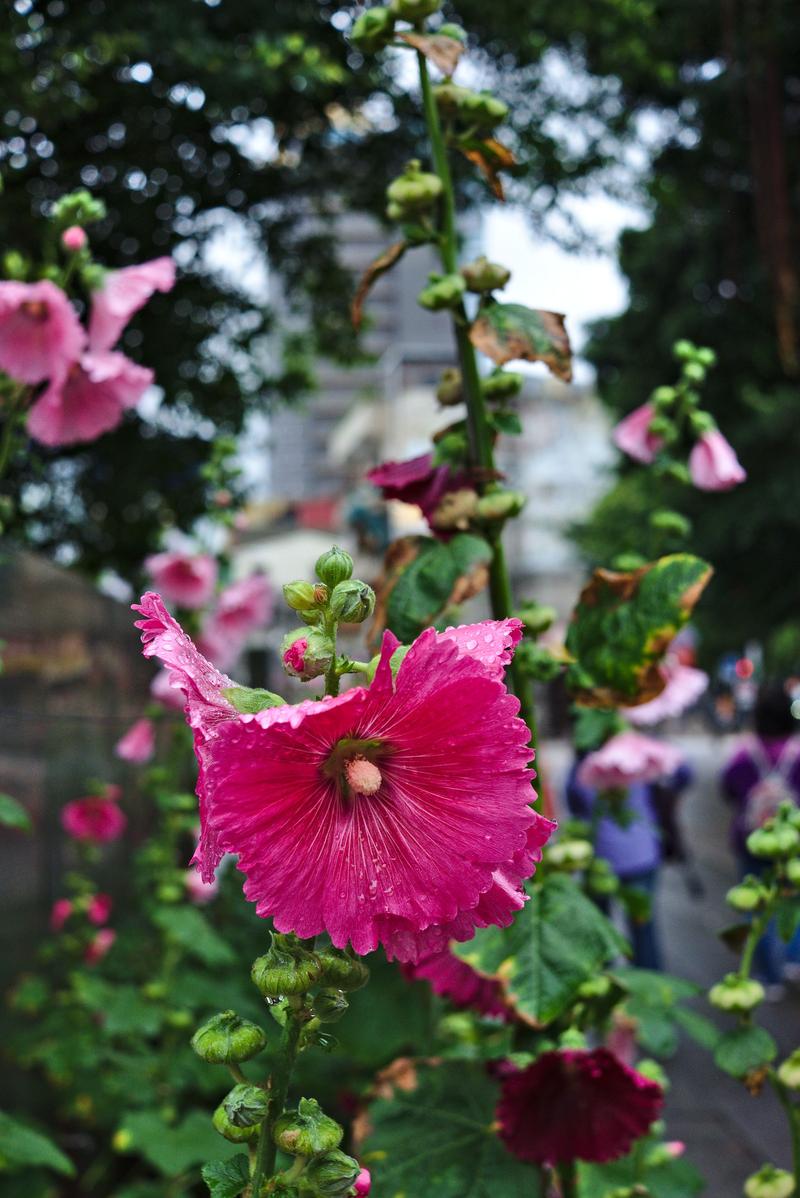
(443, 291)
(749, 895)
(307, 1131)
(706, 356)
(246, 1105)
(450, 29)
(537, 617)
(601, 879)
(330, 1005)
(300, 595)
(373, 30)
(769, 1182)
(226, 1039)
(78, 208)
(665, 520)
(774, 842)
(701, 422)
(502, 384)
(450, 390)
(483, 275)
(341, 970)
(570, 855)
(663, 398)
(486, 110)
(793, 871)
(334, 566)
(237, 1135)
(789, 1071)
(415, 191)
(683, 350)
(695, 371)
(74, 239)
(415, 10)
(455, 510)
(736, 994)
(500, 505)
(331, 1175)
(14, 265)
(307, 653)
(286, 968)
(352, 601)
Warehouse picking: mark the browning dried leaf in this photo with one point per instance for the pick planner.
(512, 332)
(490, 157)
(378, 267)
(444, 52)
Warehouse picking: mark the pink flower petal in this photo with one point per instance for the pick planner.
(138, 744)
(186, 579)
(88, 400)
(713, 464)
(632, 435)
(626, 758)
(40, 334)
(123, 293)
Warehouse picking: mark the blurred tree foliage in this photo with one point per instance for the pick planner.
(231, 134)
(718, 264)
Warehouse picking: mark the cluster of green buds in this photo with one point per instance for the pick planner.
(573, 851)
(769, 1182)
(498, 387)
(474, 112)
(412, 194)
(677, 415)
(337, 598)
(736, 994)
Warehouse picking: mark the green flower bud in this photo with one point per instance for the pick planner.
(307, 652)
(789, 1071)
(701, 422)
(537, 617)
(680, 472)
(500, 505)
(449, 29)
(601, 879)
(352, 601)
(225, 1039)
(749, 895)
(78, 208)
(330, 1005)
(443, 291)
(793, 871)
(341, 970)
(683, 350)
(662, 426)
(307, 1131)
(769, 1182)
(246, 1105)
(14, 265)
(331, 1175)
(570, 855)
(654, 1072)
(597, 987)
(415, 10)
(663, 398)
(774, 841)
(694, 371)
(666, 520)
(450, 446)
(334, 566)
(450, 389)
(706, 356)
(455, 510)
(501, 384)
(483, 275)
(736, 994)
(451, 99)
(485, 110)
(415, 191)
(286, 968)
(237, 1135)
(300, 595)
(373, 30)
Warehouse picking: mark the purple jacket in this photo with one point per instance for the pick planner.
(742, 773)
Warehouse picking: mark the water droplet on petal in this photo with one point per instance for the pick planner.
(470, 645)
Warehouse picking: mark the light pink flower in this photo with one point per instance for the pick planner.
(123, 293)
(713, 464)
(95, 818)
(60, 913)
(199, 891)
(632, 435)
(99, 945)
(362, 1184)
(186, 579)
(628, 757)
(685, 685)
(138, 744)
(163, 692)
(40, 334)
(99, 909)
(675, 1148)
(87, 399)
(452, 978)
(244, 606)
(74, 238)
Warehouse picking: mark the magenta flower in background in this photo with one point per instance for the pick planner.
(713, 464)
(417, 481)
(628, 757)
(123, 293)
(576, 1106)
(60, 913)
(632, 435)
(185, 579)
(87, 399)
(138, 744)
(99, 909)
(99, 945)
(96, 819)
(199, 891)
(40, 334)
(454, 979)
(684, 686)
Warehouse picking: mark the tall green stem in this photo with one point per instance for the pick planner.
(793, 1116)
(568, 1179)
(479, 433)
(279, 1088)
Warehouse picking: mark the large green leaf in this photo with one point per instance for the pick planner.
(426, 579)
(669, 1179)
(622, 625)
(226, 1179)
(171, 1150)
(122, 1008)
(744, 1049)
(21, 1147)
(195, 935)
(653, 1001)
(14, 815)
(511, 332)
(557, 941)
(435, 1136)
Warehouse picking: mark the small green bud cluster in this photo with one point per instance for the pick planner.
(226, 1039)
(777, 839)
(749, 895)
(736, 994)
(536, 617)
(336, 598)
(412, 194)
(570, 854)
(480, 112)
(450, 389)
(77, 208)
(501, 385)
(769, 1182)
(483, 275)
(442, 291)
(373, 31)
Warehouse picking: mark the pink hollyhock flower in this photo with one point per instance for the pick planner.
(163, 692)
(454, 979)
(138, 744)
(675, 1148)
(199, 891)
(95, 818)
(40, 334)
(713, 464)
(74, 238)
(244, 606)
(417, 481)
(628, 757)
(186, 579)
(123, 293)
(294, 658)
(684, 686)
(99, 909)
(60, 913)
(87, 398)
(362, 1184)
(576, 1105)
(632, 435)
(99, 945)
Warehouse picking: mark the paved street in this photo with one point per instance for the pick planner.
(727, 1132)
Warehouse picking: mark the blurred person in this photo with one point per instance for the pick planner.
(635, 840)
(763, 771)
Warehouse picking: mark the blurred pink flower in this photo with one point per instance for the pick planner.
(163, 692)
(95, 818)
(185, 579)
(454, 979)
(99, 945)
(74, 238)
(122, 294)
(60, 913)
(244, 606)
(99, 909)
(675, 1148)
(713, 464)
(138, 744)
(362, 1184)
(199, 891)
(628, 757)
(40, 334)
(87, 398)
(685, 685)
(632, 435)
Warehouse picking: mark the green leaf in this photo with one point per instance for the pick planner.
(440, 1129)
(557, 941)
(743, 1049)
(226, 1179)
(623, 624)
(505, 420)
(508, 332)
(652, 1001)
(670, 1179)
(426, 578)
(22, 1147)
(249, 699)
(122, 1008)
(787, 918)
(702, 1030)
(186, 927)
(14, 815)
(171, 1150)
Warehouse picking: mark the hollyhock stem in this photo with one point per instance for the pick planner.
(279, 1088)
(568, 1179)
(479, 434)
(793, 1116)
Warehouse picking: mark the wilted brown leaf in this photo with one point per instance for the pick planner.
(512, 332)
(490, 157)
(444, 52)
(378, 267)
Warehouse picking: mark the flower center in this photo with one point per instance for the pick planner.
(363, 777)
(36, 310)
